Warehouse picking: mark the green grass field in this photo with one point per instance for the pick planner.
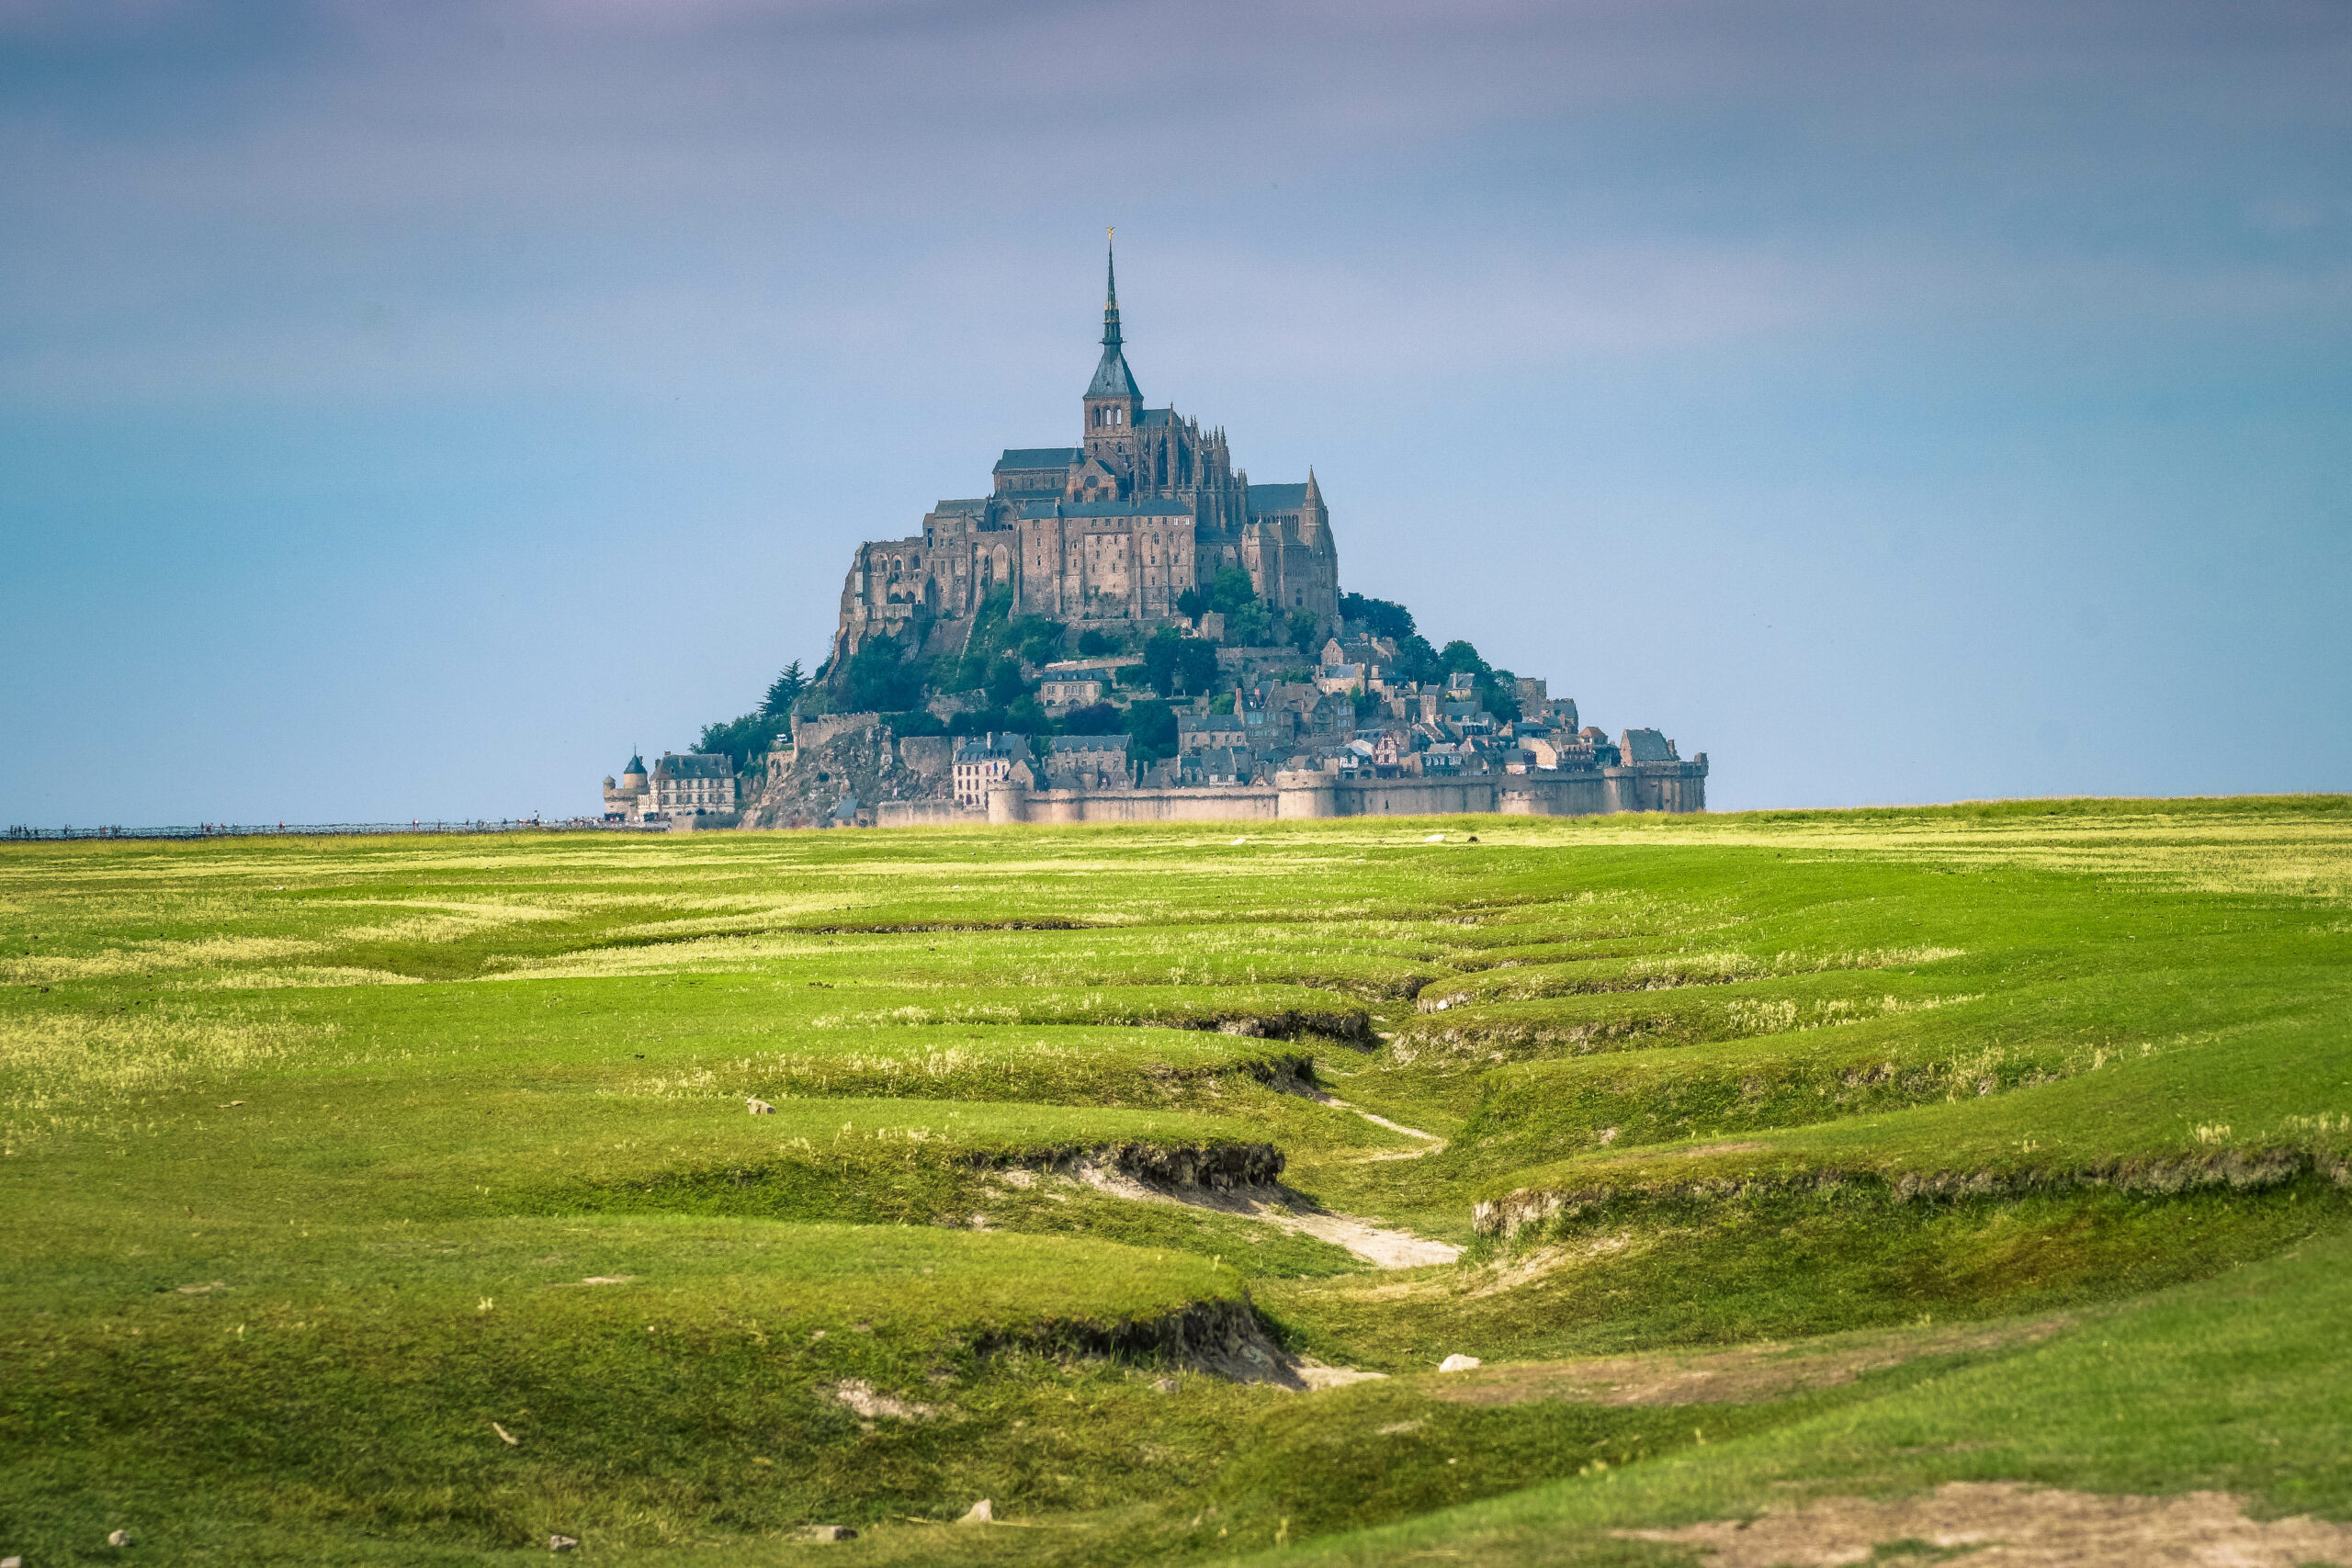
(402, 1201)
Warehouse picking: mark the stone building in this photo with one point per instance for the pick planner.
(696, 785)
(1087, 761)
(1059, 689)
(624, 798)
(983, 759)
(1146, 505)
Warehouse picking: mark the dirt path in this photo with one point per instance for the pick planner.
(1744, 1375)
(2002, 1524)
(1430, 1142)
(1286, 1210)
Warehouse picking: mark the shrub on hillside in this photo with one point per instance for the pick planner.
(1178, 663)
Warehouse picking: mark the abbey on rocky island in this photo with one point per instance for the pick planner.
(1219, 673)
(1116, 528)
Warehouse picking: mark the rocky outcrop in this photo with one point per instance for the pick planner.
(850, 757)
(1218, 1167)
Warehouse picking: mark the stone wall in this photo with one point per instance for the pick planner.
(930, 758)
(1675, 786)
(1251, 802)
(928, 813)
(817, 731)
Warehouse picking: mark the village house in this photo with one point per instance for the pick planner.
(1064, 689)
(1201, 731)
(696, 785)
(982, 761)
(1087, 761)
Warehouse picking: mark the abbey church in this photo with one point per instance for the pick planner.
(1146, 505)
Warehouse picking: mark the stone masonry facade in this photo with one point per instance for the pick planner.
(1109, 533)
(1113, 529)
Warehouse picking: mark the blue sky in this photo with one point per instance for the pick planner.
(406, 410)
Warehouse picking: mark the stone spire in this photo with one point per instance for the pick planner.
(1111, 290)
(1112, 377)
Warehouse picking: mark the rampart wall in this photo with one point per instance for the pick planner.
(927, 814)
(1643, 786)
(826, 727)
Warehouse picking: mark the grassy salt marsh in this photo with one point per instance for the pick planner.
(393, 1201)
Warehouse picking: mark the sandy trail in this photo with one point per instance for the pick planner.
(2002, 1524)
(1430, 1142)
(1286, 1210)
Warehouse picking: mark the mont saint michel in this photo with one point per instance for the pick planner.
(1129, 630)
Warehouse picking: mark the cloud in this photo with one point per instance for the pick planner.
(485, 198)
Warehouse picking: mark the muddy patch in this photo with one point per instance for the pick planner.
(1746, 1376)
(1280, 1207)
(2004, 1525)
(858, 1395)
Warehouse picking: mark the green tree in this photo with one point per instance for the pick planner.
(1498, 695)
(1153, 725)
(878, 679)
(745, 739)
(1095, 719)
(1457, 658)
(1005, 685)
(1175, 662)
(1302, 631)
(1380, 617)
(1094, 644)
(783, 690)
(1230, 590)
(1039, 638)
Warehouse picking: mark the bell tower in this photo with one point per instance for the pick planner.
(1112, 401)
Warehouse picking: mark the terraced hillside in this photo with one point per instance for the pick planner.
(1899, 1181)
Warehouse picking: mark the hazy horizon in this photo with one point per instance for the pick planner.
(405, 416)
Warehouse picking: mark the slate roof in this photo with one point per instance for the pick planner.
(971, 508)
(1067, 745)
(695, 765)
(1016, 458)
(1647, 746)
(636, 765)
(1265, 498)
(1225, 761)
(1112, 377)
(996, 743)
(1155, 417)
